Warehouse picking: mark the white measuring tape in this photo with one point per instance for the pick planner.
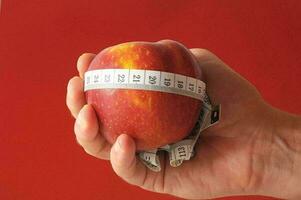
(145, 80)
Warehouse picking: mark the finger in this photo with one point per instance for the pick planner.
(87, 134)
(75, 98)
(124, 162)
(83, 63)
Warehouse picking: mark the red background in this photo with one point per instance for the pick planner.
(39, 45)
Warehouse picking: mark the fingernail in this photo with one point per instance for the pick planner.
(119, 144)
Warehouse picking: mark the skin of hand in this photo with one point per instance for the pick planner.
(255, 149)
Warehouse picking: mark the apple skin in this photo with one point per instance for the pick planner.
(153, 119)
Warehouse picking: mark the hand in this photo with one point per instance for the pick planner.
(235, 157)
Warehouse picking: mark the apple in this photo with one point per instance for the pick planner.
(152, 118)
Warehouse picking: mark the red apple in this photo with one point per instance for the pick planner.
(152, 118)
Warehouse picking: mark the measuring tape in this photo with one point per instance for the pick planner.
(139, 79)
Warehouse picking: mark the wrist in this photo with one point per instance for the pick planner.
(281, 157)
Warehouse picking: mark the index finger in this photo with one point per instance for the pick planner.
(83, 63)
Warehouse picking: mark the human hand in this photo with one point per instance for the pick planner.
(233, 157)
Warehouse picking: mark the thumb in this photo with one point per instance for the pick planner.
(220, 79)
(211, 65)
(124, 161)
